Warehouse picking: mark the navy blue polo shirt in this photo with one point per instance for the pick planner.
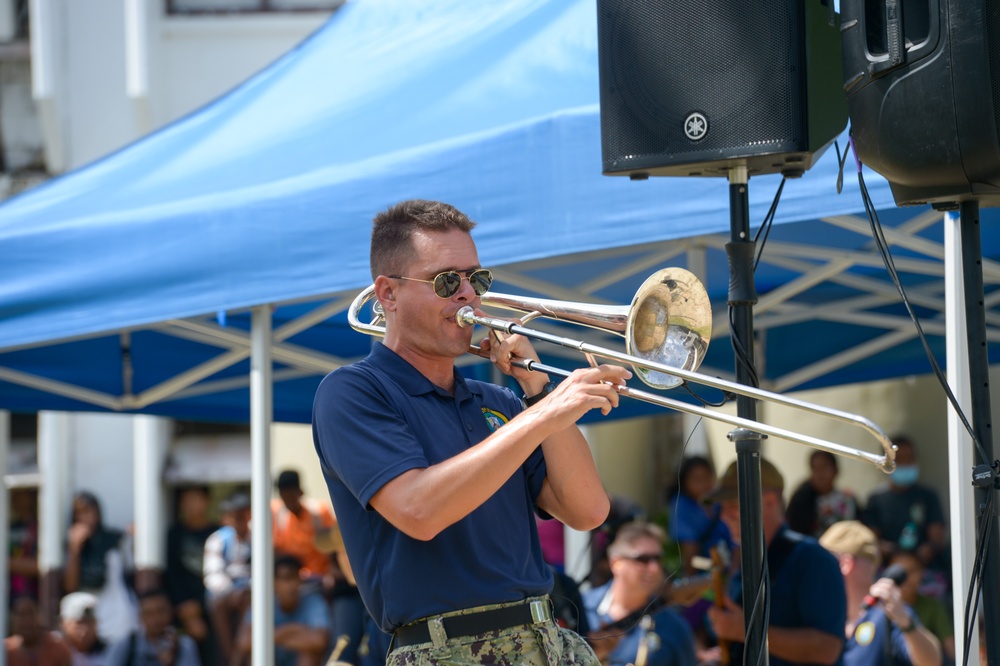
(380, 417)
(807, 589)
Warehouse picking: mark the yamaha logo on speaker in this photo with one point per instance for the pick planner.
(695, 126)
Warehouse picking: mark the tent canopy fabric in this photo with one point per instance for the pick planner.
(125, 285)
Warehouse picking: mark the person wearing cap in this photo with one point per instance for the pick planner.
(436, 478)
(78, 625)
(808, 605)
(297, 522)
(227, 572)
(881, 629)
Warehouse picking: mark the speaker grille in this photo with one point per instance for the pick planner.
(741, 65)
(992, 20)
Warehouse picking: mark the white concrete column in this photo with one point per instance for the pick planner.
(961, 493)
(577, 546)
(4, 523)
(53, 496)
(47, 53)
(137, 40)
(8, 22)
(261, 543)
(151, 438)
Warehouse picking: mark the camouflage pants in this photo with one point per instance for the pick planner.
(543, 644)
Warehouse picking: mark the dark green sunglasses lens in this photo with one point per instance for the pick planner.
(481, 281)
(447, 285)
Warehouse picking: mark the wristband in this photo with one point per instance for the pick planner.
(910, 627)
(548, 388)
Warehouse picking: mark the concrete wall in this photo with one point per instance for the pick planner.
(638, 458)
(102, 462)
(292, 448)
(86, 106)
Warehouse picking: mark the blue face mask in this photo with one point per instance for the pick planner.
(905, 475)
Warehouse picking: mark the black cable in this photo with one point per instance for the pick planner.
(702, 400)
(742, 356)
(765, 226)
(976, 582)
(987, 519)
(883, 248)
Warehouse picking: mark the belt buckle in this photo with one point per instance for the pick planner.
(435, 627)
(539, 611)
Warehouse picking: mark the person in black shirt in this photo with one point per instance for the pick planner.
(185, 552)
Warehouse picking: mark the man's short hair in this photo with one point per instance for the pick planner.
(851, 537)
(153, 593)
(901, 440)
(393, 228)
(629, 533)
(284, 560)
(727, 488)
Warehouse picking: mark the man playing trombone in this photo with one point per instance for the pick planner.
(435, 478)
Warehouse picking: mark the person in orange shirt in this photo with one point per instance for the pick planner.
(298, 521)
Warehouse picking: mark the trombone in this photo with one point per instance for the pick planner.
(667, 328)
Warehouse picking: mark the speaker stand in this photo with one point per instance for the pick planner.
(741, 299)
(979, 380)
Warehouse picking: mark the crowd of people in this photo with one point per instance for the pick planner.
(200, 611)
(630, 606)
(438, 482)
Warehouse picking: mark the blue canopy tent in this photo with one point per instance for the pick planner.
(125, 285)
(128, 285)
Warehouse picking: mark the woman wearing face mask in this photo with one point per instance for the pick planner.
(907, 515)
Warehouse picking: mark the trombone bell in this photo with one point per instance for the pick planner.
(669, 322)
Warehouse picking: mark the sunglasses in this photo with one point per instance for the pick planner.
(448, 283)
(645, 558)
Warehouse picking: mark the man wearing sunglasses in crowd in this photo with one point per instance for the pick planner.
(629, 613)
(435, 478)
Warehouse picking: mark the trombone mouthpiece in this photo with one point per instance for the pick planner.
(464, 317)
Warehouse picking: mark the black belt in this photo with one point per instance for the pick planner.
(439, 629)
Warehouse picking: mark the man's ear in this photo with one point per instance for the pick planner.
(846, 564)
(384, 293)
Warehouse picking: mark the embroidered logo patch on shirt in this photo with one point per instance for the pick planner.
(494, 419)
(865, 633)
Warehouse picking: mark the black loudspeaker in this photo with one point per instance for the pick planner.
(695, 87)
(923, 93)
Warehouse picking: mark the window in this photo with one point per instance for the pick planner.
(248, 6)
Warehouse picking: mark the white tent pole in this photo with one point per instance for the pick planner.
(150, 436)
(262, 562)
(960, 460)
(4, 521)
